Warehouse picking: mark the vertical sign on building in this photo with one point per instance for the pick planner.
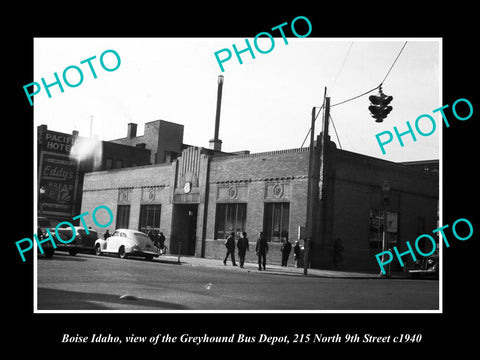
(57, 174)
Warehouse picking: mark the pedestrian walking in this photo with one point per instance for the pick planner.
(286, 249)
(296, 253)
(261, 249)
(242, 246)
(230, 245)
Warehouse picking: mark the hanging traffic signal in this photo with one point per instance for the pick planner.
(379, 108)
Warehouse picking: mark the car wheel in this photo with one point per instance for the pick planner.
(121, 252)
(72, 252)
(98, 250)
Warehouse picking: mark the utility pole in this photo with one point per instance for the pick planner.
(323, 154)
(315, 181)
(310, 200)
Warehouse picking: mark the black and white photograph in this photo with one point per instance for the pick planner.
(278, 182)
(204, 158)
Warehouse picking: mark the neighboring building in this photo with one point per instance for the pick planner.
(62, 161)
(202, 195)
(163, 138)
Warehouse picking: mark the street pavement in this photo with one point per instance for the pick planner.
(107, 283)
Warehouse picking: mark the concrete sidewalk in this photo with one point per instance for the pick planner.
(271, 268)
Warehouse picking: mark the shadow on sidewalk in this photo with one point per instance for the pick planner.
(272, 269)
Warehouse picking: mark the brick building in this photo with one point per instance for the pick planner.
(200, 195)
(163, 138)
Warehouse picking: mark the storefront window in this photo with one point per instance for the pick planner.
(149, 218)
(230, 217)
(276, 221)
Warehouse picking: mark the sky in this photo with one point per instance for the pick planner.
(267, 101)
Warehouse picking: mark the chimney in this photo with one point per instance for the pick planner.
(132, 130)
(216, 143)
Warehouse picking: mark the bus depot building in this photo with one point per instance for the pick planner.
(201, 195)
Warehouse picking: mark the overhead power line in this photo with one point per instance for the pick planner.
(343, 64)
(334, 128)
(357, 96)
(391, 67)
(308, 133)
(375, 88)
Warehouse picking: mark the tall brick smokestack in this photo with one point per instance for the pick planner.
(216, 143)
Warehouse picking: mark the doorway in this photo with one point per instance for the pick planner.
(184, 229)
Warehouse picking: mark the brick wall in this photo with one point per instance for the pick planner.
(254, 177)
(267, 165)
(358, 188)
(107, 188)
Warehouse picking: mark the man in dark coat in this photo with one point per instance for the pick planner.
(242, 246)
(261, 249)
(230, 245)
(286, 248)
(296, 253)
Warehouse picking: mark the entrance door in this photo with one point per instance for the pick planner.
(184, 229)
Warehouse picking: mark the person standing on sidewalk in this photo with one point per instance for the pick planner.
(286, 249)
(242, 246)
(261, 249)
(296, 253)
(230, 245)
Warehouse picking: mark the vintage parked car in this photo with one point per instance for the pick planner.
(127, 242)
(82, 242)
(44, 223)
(426, 267)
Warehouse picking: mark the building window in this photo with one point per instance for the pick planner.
(108, 163)
(118, 164)
(149, 218)
(376, 229)
(123, 216)
(230, 217)
(276, 220)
